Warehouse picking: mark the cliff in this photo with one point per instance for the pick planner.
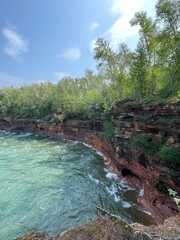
(141, 132)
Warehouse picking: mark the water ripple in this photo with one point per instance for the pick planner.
(53, 186)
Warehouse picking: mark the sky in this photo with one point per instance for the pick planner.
(46, 40)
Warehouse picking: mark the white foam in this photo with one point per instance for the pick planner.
(24, 135)
(28, 134)
(97, 151)
(72, 142)
(111, 175)
(147, 212)
(124, 185)
(141, 192)
(126, 204)
(89, 146)
(144, 210)
(113, 192)
(116, 198)
(57, 147)
(107, 163)
(93, 179)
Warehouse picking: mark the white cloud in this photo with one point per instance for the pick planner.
(121, 30)
(16, 44)
(92, 45)
(10, 80)
(126, 7)
(72, 54)
(93, 26)
(60, 75)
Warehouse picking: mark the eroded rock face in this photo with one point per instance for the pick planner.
(160, 121)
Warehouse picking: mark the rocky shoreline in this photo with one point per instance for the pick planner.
(142, 169)
(108, 227)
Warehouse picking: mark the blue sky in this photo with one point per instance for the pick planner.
(43, 40)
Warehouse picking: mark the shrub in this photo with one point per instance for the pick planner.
(144, 143)
(161, 186)
(170, 157)
(171, 192)
(109, 131)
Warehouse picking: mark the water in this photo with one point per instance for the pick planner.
(53, 186)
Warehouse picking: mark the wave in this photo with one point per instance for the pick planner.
(93, 179)
(111, 176)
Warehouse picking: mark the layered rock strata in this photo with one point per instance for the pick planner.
(143, 169)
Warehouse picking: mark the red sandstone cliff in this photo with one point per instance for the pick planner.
(142, 169)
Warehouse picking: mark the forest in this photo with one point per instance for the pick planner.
(151, 72)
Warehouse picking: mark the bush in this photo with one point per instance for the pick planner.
(161, 186)
(170, 157)
(144, 143)
(109, 131)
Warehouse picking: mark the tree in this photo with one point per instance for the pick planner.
(148, 39)
(168, 12)
(116, 65)
(106, 57)
(168, 15)
(139, 69)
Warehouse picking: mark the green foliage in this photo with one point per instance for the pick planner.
(78, 97)
(70, 98)
(161, 186)
(170, 157)
(139, 72)
(172, 192)
(151, 72)
(109, 131)
(145, 144)
(115, 66)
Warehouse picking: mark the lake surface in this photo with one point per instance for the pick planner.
(56, 185)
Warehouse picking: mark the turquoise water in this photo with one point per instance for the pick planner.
(53, 186)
